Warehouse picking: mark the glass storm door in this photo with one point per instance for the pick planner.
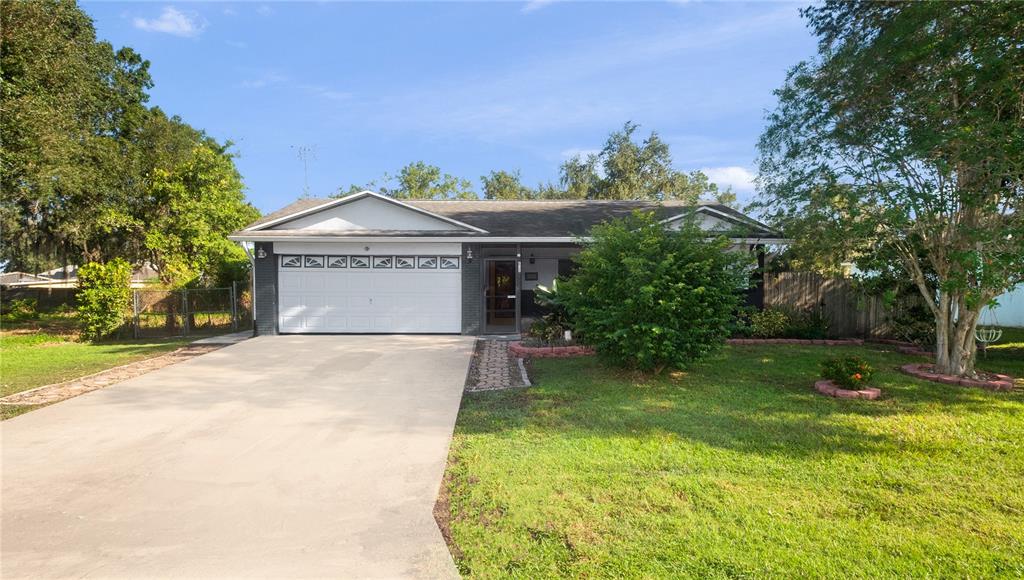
(500, 297)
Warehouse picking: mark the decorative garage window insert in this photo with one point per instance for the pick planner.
(376, 262)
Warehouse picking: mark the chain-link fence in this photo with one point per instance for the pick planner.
(188, 312)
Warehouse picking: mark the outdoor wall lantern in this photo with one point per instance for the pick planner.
(532, 260)
(261, 253)
(469, 254)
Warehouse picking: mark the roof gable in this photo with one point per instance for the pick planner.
(363, 212)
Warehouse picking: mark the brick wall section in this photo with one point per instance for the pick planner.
(472, 291)
(266, 290)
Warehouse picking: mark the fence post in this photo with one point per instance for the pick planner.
(184, 312)
(234, 307)
(135, 313)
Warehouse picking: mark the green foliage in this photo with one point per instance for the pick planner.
(104, 297)
(769, 323)
(21, 310)
(505, 185)
(849, 372)
(418, 180)
(903, 141)
(550, 328)
(195, 206)
(626, 169)
(780, 322)
(648, 297)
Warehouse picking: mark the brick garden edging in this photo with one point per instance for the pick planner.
(825, 342)
(521, 351)
(827, 387)
(924, 371)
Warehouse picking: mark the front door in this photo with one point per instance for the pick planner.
(500, 297)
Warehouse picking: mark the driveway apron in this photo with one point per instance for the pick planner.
(285, 456)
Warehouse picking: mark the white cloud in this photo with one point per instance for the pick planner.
(739, 178)
(172, 21)
(264, 10)
(532, 5)
(327, 92)
(264, 80)
(236, 44)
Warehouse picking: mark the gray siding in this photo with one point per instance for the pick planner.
(472, 291)
(265, 280)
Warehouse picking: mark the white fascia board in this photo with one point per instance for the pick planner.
(358, 196)
(727, 216)
(257, 237)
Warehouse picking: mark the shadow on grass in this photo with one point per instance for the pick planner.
(756, 400)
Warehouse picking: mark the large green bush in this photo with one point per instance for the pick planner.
(104, 297)
(646, 297)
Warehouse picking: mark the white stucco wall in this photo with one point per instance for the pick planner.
(1010, 311)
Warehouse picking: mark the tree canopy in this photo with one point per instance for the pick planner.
(905, 138)
(82, 152)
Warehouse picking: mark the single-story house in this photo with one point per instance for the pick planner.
(367, 263)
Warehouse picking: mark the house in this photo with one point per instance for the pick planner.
(67, 277)
(367, 263)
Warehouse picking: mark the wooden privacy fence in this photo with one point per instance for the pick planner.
(849, 312)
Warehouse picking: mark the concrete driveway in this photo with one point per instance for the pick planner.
(288, 456)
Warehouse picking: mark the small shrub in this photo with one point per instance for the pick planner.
(769, 323)
(647, 297)
(915, 324)
(851, 372)
(807, 324)
(21, 310)
(104, 298)
(546, 332)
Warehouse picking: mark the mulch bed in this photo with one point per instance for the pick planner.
(522, 351)
(990, 381)
(807, 341)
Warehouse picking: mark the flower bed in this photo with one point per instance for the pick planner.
(825, 342)
(990, 381)
(827, 387)
(522, 351)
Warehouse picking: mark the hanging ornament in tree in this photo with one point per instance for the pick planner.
(988, 330)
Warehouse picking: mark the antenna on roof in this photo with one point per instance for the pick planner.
(305, 154)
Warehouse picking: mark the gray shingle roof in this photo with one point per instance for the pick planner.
(542, 218)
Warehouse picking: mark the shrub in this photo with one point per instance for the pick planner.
(769, 323)
(647, 297)
(851, 372)
(104, 298)
(21, 310)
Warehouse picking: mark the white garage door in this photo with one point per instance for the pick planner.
(379, 293)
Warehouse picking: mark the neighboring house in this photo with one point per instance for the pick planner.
(367, 263)
(1010, 311)
(67, 277)
(7, 278)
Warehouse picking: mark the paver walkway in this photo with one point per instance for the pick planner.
(494, 367)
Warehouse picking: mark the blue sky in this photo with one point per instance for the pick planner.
(469, 87)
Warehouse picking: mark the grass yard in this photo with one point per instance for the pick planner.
(30, 360)
(739, 469)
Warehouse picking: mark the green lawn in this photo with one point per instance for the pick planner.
(738, 469)
(34, 359)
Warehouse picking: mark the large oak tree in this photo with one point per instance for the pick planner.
(905, 137)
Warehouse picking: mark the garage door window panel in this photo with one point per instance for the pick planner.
(337, 261)
(291, 261)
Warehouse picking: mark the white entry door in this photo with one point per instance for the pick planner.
(369, 294)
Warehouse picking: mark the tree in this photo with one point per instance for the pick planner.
(905, 137)
(418, 180)
(505, 185)
(193, 208)
(626, 169)
(649, 297)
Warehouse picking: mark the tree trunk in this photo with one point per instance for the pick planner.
(955, 343)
